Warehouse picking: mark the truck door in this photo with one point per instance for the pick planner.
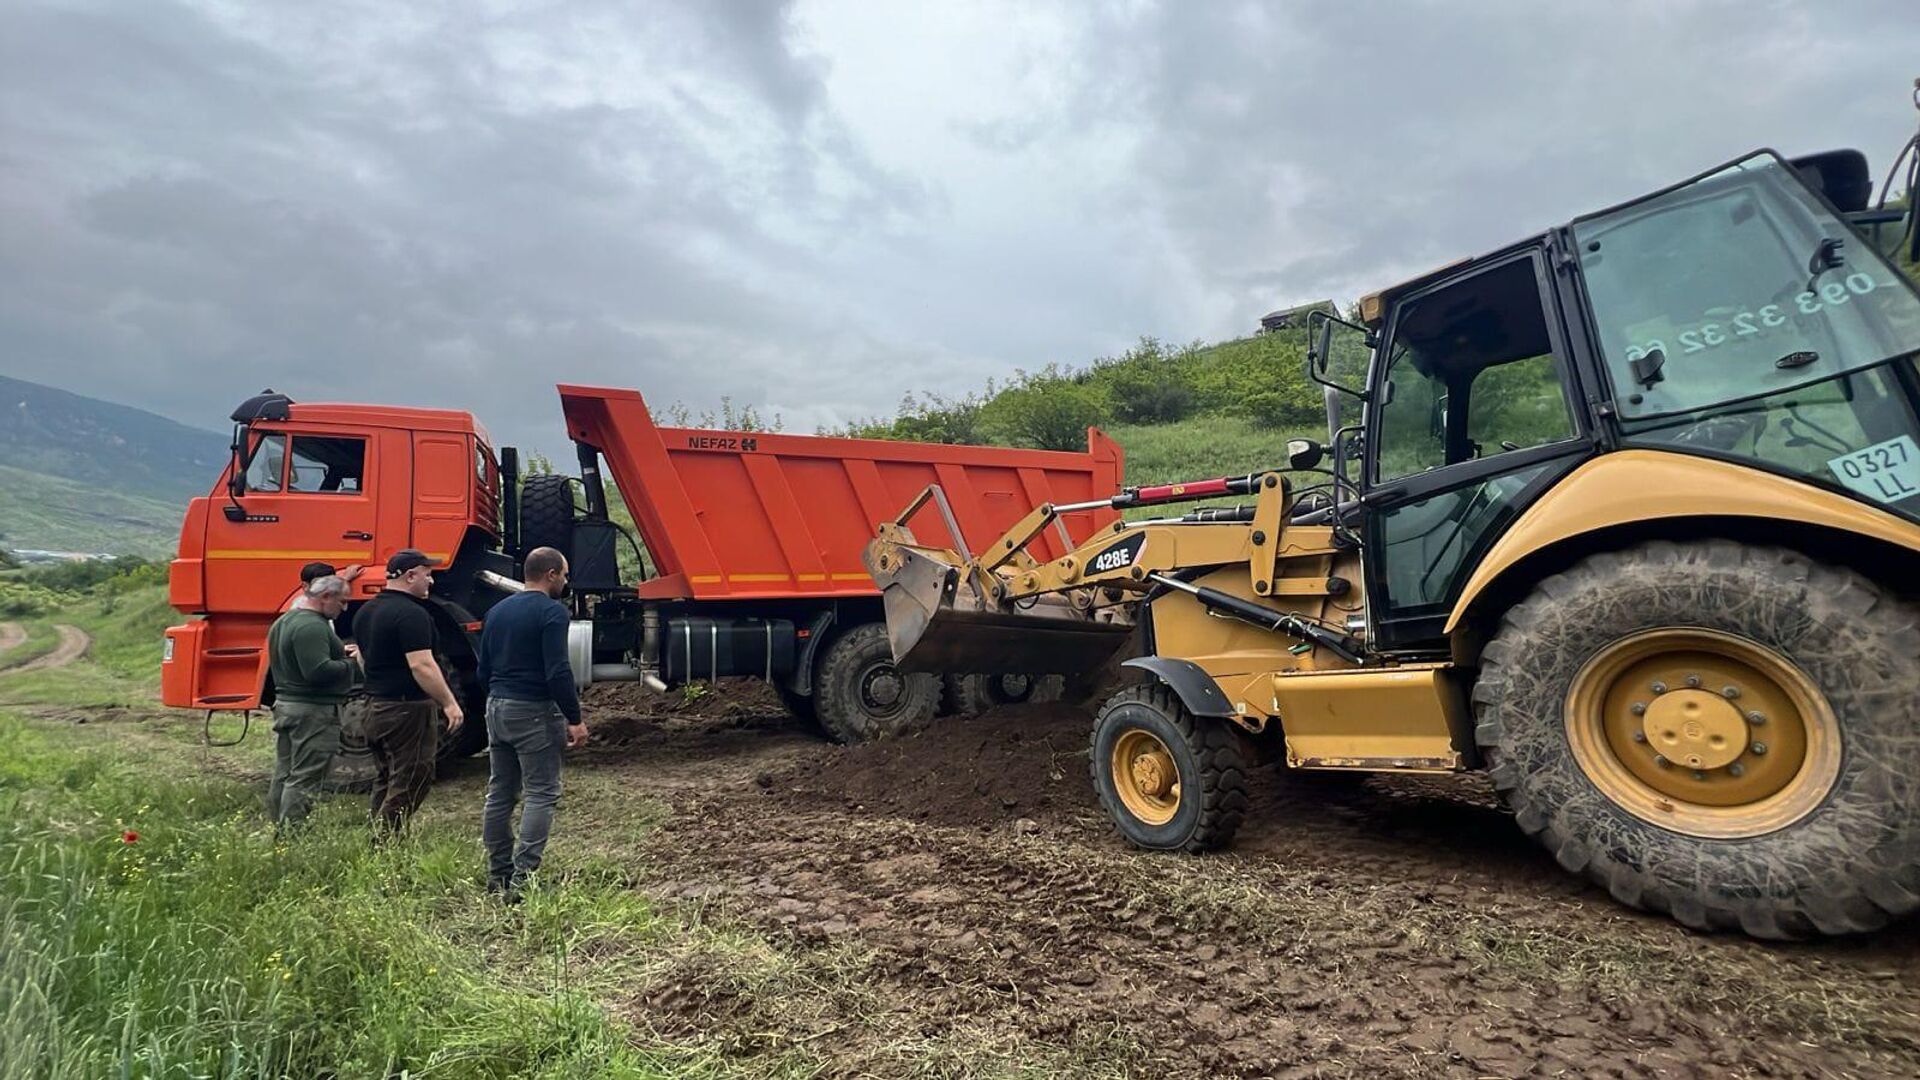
(1471, 417)
(308, 497)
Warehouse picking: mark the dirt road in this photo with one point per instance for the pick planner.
(961, 889)
(73, 645)
(11, 634)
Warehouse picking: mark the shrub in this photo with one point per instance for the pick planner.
(1147, 384)
(1050, 410)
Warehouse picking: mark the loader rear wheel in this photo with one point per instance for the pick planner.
(971, 695)
(546, 513)
(860, 696)
(1168, 779)
(1715, 731)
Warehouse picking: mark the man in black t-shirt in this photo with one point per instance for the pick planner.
(397, 642)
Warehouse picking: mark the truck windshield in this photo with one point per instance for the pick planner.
(1737, 285)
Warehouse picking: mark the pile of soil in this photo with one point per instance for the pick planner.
(1008, 764)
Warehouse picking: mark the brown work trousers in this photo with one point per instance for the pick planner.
(405, 738)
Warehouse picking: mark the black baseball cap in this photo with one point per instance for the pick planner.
(316, 570)
(404, 560)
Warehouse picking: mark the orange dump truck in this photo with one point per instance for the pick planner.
(753, 539)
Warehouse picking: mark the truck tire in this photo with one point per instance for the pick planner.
(546, 513)
(1169, 780)
(352, 768)
(971, 695)
(802, 706)
(471, 737)
(1720, 732)
(859, 696)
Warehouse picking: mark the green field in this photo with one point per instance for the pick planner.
(152, 926)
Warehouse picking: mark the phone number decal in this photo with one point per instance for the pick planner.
(1750, 323)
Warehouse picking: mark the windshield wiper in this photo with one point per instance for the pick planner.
(1828, 256)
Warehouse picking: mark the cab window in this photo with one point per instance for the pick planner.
(327, 465)
(1470, 374)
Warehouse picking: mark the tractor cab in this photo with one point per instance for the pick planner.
(1736, 316)
(341, 484)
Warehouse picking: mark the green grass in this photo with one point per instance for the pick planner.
(1204, 446)
(54, 514)
(210, 948)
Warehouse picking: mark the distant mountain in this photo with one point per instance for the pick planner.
(79, 474)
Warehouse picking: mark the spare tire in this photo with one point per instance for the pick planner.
(547, 514)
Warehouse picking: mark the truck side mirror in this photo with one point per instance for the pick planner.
(237, 476)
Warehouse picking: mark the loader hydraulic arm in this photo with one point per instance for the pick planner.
(1068, 608)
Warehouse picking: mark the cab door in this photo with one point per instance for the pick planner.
(1471, 416)
(307, 496)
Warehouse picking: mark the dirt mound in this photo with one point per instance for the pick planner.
(1008, 764)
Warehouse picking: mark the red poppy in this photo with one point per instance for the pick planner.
(129, 836)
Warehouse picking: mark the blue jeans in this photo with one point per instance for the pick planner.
(526, 739)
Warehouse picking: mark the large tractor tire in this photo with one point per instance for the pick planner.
(971, 695)
(547, 513)
(1168, 779)
(860, 696)
(1719, 732)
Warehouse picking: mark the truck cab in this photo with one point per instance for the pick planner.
(341, 484)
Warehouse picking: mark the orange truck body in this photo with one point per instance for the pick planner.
(730, 520)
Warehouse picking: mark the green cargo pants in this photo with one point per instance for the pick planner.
(306, 737)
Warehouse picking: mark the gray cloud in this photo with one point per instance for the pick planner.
(816, 207)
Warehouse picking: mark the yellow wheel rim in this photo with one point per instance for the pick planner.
(1145, 776)
(1703, 732)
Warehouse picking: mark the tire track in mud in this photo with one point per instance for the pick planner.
(1396, 927)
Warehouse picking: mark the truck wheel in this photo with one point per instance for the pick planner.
(1168, 779)
(546, 513)
(352, 769)
(1716, 731)
(800, 705)
(971, 695)
(860, 696)
(471, 738)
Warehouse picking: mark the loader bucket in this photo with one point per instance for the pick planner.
(936, 623)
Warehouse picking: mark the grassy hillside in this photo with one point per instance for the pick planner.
(88, 475)
(47, 512)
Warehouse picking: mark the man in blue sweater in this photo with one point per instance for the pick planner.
(533, 713)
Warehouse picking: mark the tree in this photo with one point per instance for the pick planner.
(1050, 410)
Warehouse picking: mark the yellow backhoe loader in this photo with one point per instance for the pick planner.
(1629, 517)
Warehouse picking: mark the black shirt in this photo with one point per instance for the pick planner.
(389, 627)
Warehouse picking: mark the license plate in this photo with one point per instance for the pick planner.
(1884, 472)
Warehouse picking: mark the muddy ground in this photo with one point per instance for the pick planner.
(1378, 926)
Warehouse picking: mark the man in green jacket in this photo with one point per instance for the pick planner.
(312, 674)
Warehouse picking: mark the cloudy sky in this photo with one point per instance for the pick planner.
(814, 207)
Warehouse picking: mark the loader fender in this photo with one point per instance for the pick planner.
(1195, 688)
(1615, 498)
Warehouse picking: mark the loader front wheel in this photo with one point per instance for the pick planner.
(1716, 731)
(860, 696)
(1170, 781)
